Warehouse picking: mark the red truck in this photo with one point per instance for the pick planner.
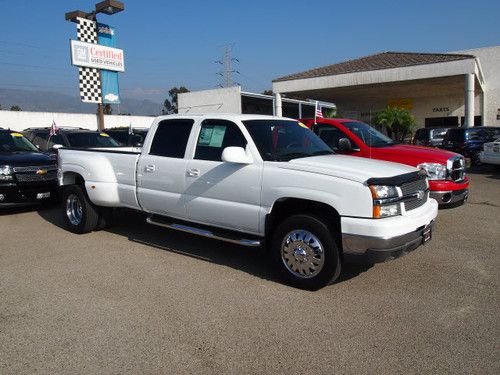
(446, 170)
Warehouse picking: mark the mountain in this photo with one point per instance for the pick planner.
(49, 101)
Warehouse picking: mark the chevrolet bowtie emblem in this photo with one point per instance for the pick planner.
(41, 171)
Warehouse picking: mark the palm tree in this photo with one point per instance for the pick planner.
(397, 121)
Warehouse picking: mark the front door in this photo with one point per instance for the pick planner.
(219, 193)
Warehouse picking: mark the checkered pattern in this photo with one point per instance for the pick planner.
(90, 85)
(90, 78)
(86, 30)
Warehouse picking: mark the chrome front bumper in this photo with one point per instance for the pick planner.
(379, 249)
(450, 197)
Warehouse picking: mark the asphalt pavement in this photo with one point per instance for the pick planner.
(136, 298)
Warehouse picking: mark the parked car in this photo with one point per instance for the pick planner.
(250, 179)
(491, 153)
(431, 137)
(446, 170)
(69, 137)
(27, 176)
(469, 141)
(128, 137)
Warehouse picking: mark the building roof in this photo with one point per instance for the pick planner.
(378, 61)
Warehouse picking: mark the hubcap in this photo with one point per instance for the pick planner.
(302, 254)
(74, 209)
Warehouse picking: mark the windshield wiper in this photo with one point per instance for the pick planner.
(294, 155)
(322, 152)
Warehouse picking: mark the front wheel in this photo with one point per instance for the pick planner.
(80, 214)
(305, 252)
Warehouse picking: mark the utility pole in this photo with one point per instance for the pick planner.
(227, 63)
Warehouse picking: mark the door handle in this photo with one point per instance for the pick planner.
(193, 172)
(149, 168)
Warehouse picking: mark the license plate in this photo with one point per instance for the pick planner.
(42, 195)
(426, 234)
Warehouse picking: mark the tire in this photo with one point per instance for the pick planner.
(305, 252)
(80, 215)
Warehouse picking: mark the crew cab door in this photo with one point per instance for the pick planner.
(222, 193)
(161, 169)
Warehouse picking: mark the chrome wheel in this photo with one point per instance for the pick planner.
(74, 209)
(302, 254)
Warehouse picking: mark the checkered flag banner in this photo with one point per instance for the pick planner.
(90, 78)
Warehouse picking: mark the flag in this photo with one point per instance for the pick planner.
(317, 112)
(53, 129)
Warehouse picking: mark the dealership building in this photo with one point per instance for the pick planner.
(440, 89)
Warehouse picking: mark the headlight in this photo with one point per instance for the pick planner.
(383, 191)
(384, 198)
(435, 171)
(5, 173)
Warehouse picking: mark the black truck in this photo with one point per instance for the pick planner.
(27, 176)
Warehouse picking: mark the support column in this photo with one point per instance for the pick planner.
(469, 100)
(278, 106)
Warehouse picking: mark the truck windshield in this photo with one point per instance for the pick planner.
(91, 139)
(370, 136)
(15, 142)
(284, 140)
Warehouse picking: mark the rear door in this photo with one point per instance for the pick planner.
(220, 193)
(161, 170)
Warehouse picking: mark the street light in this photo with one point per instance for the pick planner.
(108, 7)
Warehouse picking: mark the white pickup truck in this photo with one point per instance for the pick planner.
(247, 179)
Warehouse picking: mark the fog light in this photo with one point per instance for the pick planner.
(2, 197)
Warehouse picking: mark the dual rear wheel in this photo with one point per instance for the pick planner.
(80, 214)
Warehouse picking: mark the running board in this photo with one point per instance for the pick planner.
(222, 235)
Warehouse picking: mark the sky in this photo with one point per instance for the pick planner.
(172, 43)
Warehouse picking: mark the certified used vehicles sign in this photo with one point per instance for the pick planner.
(97, 56)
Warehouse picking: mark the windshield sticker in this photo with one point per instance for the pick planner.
(212, 136)
(104, 135)
(303, 125)
(16, 134)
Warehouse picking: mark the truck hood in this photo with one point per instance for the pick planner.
(25, 159)
(413, 155)
(348, 167)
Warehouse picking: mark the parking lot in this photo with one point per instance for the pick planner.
(140, 299)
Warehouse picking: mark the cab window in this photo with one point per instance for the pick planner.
(215, 136)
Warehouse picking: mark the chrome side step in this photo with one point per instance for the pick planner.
(222, 236)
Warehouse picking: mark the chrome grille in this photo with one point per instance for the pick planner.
(34, 168)
(413, 187)
(33, 177)
(456, 169)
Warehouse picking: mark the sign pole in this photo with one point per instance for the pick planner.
(100, 117)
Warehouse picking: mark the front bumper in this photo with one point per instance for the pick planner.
(377, 240)
(14, 195)
(449, 197)
(384, 249)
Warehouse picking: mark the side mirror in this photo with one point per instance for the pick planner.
(236, 155)
(345, 144)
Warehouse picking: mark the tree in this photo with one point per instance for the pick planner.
(171, 105)
(107, 110)
(398, 122)
(15, 108)
(267, 92)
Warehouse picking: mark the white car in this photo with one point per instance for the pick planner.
(250, 180)
(491, 153)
